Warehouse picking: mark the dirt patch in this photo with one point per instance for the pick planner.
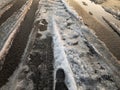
(41, 64)
(42, 24)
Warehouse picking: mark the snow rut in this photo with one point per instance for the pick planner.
(91, 67)
(78, 45)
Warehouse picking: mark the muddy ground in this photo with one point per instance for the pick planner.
(111, 39)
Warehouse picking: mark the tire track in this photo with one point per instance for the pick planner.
(41, 64)
(14, 55)
(17, 5)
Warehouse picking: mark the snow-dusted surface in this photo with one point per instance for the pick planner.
(10, 27)
(87, 62)
(61, 58)
(84, 52)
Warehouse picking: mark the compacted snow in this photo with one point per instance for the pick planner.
(85, 60)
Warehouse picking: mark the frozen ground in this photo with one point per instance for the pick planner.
(60, 40)
(115, 27)
(9, 28)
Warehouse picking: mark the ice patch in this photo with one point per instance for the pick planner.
(60, 58)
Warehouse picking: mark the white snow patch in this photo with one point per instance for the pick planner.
(61, 59)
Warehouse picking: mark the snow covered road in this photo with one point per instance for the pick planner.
(60, 40)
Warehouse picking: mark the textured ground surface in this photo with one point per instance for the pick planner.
(60, 40)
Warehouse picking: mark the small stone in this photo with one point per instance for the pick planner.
(96, 71)
(76, 36)
(84, 3)
(38, 35)
(102, 68)
(73, 43)
(90, 13)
